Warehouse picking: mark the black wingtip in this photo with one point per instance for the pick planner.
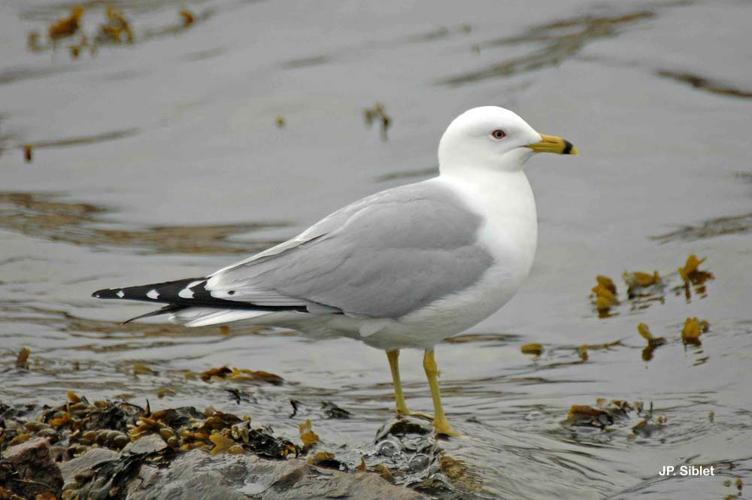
(106, 293)
(165, 292)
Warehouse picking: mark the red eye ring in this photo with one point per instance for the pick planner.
(498, 134)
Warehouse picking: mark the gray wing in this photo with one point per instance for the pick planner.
(382, 257)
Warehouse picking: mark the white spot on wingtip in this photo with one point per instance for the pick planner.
(187, 293)
(152, 294)
(120, 294)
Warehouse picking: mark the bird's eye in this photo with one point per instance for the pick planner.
(498, 134)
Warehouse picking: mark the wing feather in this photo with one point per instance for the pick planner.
(383, 256)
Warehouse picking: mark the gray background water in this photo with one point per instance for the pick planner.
(176, 168)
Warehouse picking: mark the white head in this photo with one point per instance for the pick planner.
(494, 138)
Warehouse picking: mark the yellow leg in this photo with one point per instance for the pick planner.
(440, 423)
(399, 398)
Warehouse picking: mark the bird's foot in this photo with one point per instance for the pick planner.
(442, 428)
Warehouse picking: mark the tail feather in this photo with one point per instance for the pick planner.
(168, 309)
(203, 316)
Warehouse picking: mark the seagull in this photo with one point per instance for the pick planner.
(403, 268)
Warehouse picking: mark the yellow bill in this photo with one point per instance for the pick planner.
(554, 144)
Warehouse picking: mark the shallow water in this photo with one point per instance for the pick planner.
(162, 159)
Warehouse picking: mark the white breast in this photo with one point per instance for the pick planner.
(510, 232)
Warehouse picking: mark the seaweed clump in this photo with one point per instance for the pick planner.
(606, 415)
(601, 416)
(692, 330)
(603, 295)
(653, 342)
(693, 277)
(644, 289)
(377, 114)
(66, 26)
(532, 348)
(115, 29)
(129, 435)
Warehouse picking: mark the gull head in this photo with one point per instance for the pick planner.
(490, 137)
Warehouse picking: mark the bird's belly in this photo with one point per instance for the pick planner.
(453, 314)
(425, 327)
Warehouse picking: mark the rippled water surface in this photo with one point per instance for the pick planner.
(164, 158)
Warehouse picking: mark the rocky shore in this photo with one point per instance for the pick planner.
(107, 449)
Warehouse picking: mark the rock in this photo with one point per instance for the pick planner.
(148, 444)
(27, 469)
(313, 482)
(404, 426)
(192, 475)
(256, 463)
(105, 480)
(86, 462)
(198, 475)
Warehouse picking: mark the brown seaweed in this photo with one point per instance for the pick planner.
(653, 342)
(692, 330)
(66, 26)
(532, 348)
(603, 295)
(22, 360)
(377, 114)
(240, 375)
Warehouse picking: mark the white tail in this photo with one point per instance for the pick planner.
(205, 316)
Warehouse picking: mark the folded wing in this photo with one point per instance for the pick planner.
(382, 257)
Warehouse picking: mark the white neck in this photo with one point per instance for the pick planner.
(464, 164)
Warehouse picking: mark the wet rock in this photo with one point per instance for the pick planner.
(333, 411)
(406, 453)
(150, 443)
(107, 479)
(310, 482)
(327, 460)
(404, 426)
(8, 412)
(85, 462)
(186, 453)
(196, 474)
(27, 470)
